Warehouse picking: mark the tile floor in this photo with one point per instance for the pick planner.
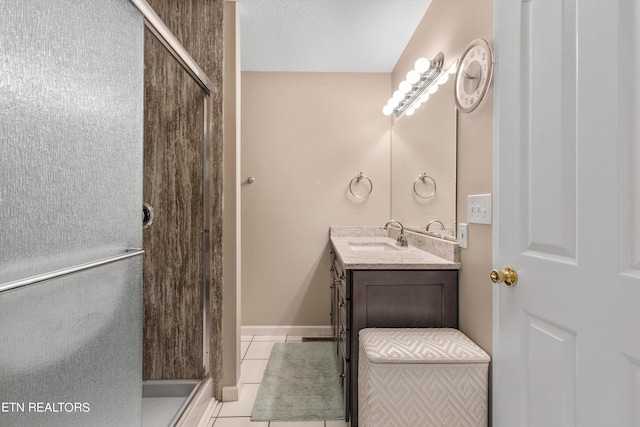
(255, 355)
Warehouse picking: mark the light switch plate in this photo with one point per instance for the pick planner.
(479, 209)
(463, 229)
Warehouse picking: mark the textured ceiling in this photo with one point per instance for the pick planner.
(326, 35)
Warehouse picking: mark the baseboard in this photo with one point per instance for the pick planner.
(287, 330)
(231, 393)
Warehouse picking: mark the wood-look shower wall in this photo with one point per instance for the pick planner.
(173, 186)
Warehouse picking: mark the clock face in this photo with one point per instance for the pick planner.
(473, 76)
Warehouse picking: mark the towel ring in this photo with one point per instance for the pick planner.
(423, 177)
(357, 179)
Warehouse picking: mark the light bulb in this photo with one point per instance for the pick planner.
(422, 65)
(416, 105)
(405, 86)
(398, 96)
(393, 103)
(433, 89)
(443, 78)
(453, 67)
(410, 112)
(413, 76)
(424, 98)
(387, 110)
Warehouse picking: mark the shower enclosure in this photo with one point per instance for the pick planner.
(72, 157)
(71, 123)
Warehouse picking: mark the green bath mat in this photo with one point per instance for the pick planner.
(300, 383)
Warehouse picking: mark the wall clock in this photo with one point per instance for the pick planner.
(473, 76)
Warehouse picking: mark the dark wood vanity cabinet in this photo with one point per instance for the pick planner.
(384, 299)
(340, 323)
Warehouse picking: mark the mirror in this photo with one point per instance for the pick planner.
(425, 143)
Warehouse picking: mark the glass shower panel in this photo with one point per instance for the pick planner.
(71, 125)
(71, 110)
(174, 187)
(70, 350)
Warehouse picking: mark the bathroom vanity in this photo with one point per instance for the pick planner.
(375, 283)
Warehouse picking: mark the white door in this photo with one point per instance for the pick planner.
(567, 213)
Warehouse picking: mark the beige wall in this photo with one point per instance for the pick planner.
(449, 26)
(299, 127)
(231, 276)
(304, 137)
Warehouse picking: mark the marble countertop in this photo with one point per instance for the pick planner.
(382, 253)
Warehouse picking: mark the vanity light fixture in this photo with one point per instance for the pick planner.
(420, 83)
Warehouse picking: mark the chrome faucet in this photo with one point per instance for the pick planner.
(442, 228)
(402, 238)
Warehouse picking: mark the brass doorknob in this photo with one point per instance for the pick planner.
(508, 275)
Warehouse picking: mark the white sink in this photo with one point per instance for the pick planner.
(371, 246)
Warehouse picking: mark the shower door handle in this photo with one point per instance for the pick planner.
(148, 215)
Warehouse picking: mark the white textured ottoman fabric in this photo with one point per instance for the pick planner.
(421, 377)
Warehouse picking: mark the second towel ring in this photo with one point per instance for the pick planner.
(357, 179)
(424, 177)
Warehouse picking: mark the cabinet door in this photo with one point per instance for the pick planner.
(399, 299)
(334, 314)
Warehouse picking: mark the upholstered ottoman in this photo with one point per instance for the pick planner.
(421, 377)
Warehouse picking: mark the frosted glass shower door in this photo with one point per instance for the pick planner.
(70, 350)
(71, 124)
